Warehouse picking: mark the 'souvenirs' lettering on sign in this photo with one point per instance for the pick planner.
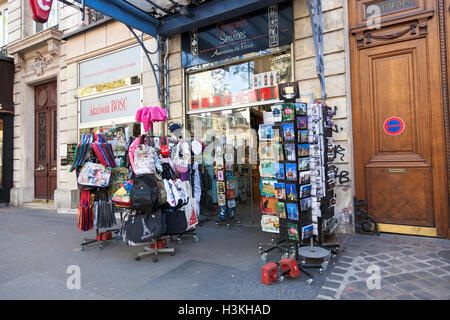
(391, 6)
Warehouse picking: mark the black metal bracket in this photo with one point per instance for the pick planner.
(364, 223)
(160, 69)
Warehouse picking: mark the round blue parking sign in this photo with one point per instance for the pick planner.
(394, 126)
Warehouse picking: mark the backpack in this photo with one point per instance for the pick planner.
(144, 193)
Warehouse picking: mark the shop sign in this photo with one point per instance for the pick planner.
(110, 107)
(240, 97)
(114, 66)
(67, 153)
(40, 9)
(263, 29)
(288, 91)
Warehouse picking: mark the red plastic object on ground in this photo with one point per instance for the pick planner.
(106, 235)
(269, 273)
(289, 268)
(161, 243)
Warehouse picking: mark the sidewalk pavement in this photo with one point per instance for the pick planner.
(411, 268)
(37, 247)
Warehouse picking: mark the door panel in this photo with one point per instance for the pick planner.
(397, 167)
(45, 143)
(401, 197)
(396, 72)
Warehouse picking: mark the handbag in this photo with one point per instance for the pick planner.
(190, 209)
(144, 162)
(144, 226)
(85, 219)
(94, 175)
(165, 151)
(121, 197)
(175, 222)
(182, 155)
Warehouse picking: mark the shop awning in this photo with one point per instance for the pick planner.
(170, 17)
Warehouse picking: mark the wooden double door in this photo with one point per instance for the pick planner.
(398, 114)
(45, 141)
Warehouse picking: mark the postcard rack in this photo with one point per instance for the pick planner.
(297, 182)
(315, 254)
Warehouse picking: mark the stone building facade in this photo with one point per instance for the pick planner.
(54, 54)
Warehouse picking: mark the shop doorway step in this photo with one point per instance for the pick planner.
(40, 204)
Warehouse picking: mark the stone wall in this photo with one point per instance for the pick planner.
(335, 28)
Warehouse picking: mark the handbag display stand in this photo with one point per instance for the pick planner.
(99, 239)
(155, 247)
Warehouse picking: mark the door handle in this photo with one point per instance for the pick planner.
(53, 169)
(401, 170)
(40, 168)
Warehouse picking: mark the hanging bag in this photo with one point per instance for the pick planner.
(94, 175)
(144, 226)
(175, 222)
(121, 197)
(144, 193)
(182, 156)
(85, 219)
(190, 209)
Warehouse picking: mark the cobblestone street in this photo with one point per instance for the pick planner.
(410, 267)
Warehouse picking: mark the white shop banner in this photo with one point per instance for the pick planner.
(114, 66)
(110, 107)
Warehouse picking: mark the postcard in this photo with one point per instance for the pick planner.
(307, 231)
(281, 209)
(278, 152)
(276, 113)
(292, 211)
(305, 177)
(291, 192)
(293, 231)
(268, 205)
(303, 136)
(305, 204)
(303, 164)
(265, 132)
(289, 150)
(267, 187)
(270, 223)
(305, 191)
(301, 108)
(279, 171)
(266, 150)
(288, 132)
(302, 123)
(267, 168)
(291, 171)
(280, 191)
(220, 187)
(288, 111)
(303, 150)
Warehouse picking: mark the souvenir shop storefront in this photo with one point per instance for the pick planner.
(232, 75)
